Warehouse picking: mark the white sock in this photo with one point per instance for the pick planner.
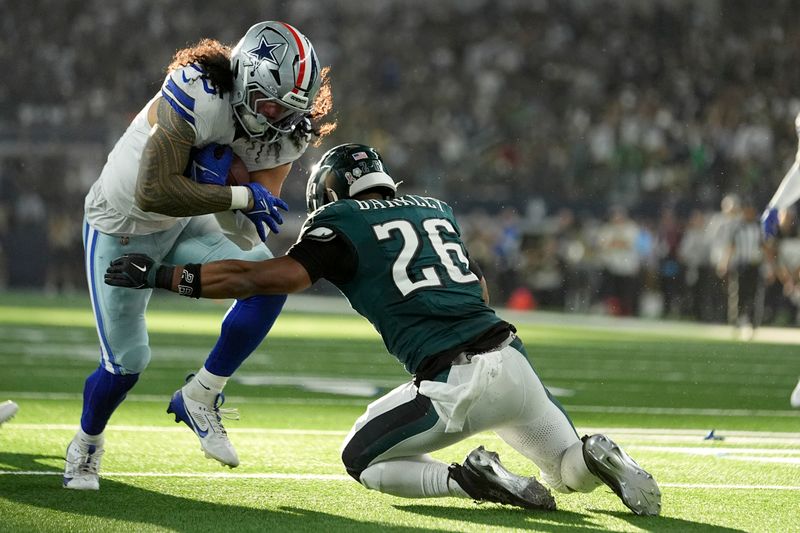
(455, 489)
(95, 440)
(575, 475)
(412, 477)
(204, 386)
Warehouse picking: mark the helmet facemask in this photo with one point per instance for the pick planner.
(257, 124)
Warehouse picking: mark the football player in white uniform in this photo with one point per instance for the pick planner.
(788, 193)
(258, 99)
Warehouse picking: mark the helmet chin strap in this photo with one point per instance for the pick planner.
(259, 128)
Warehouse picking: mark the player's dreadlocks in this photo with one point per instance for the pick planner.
(323, 104)
(215, 59)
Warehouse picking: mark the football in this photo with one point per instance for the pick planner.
(238, 174)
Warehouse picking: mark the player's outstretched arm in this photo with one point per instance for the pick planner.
(220, 279)
(161, 186)
(242, 279)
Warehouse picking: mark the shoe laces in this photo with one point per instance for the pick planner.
(88, 463)
(228, 413)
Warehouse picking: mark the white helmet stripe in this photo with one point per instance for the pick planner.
(304, 77)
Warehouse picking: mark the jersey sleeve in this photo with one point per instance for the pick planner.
(324, 250)
(190, 94)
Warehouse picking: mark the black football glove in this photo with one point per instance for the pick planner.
(135, 271)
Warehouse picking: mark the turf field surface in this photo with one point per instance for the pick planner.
(658, 389)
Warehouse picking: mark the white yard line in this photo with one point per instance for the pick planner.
(638, 433)
(341, 477)
(158, 398)
(688, 411)
(206, 475)
(720, 451)
(727, 487)
(624, 435)
(178, 429)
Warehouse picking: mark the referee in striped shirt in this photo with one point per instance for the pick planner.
(742, 266)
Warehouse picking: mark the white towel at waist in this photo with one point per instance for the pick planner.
(239, 229)
(453, 402)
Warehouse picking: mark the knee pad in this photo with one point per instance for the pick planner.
(133, 360)
(575, 475)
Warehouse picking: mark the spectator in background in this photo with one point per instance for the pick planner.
(668, 238)
(544, 273)
(62, 232)
(621, 261)
(575, 255)
(693, 255)
(683, 122)
(507, 253)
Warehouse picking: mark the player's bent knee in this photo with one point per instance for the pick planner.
(134, 360)
(353, 458)
(350, 466)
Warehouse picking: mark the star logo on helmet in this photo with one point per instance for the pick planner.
(265, 51)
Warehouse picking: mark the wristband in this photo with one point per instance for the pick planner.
(164, 275)
(189, 284)
(240, 197)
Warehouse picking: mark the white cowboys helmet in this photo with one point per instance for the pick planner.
(273, 62)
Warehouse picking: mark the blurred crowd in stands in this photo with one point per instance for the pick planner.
(588, 145)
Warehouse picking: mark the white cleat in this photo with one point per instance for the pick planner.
(7, 411)
(82, 468)
(205, 420)
(636, 488)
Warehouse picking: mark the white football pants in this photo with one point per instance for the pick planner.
(386, 448)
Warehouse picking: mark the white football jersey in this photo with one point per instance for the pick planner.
(110, 206)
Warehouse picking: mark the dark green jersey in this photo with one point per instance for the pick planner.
(410, 273)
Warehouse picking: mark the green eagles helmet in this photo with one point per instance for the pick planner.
(343, 172)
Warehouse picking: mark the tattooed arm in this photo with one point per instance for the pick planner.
(161, 186)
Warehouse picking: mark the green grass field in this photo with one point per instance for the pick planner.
(656, 392)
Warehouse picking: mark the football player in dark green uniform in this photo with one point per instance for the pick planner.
(401, 263)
